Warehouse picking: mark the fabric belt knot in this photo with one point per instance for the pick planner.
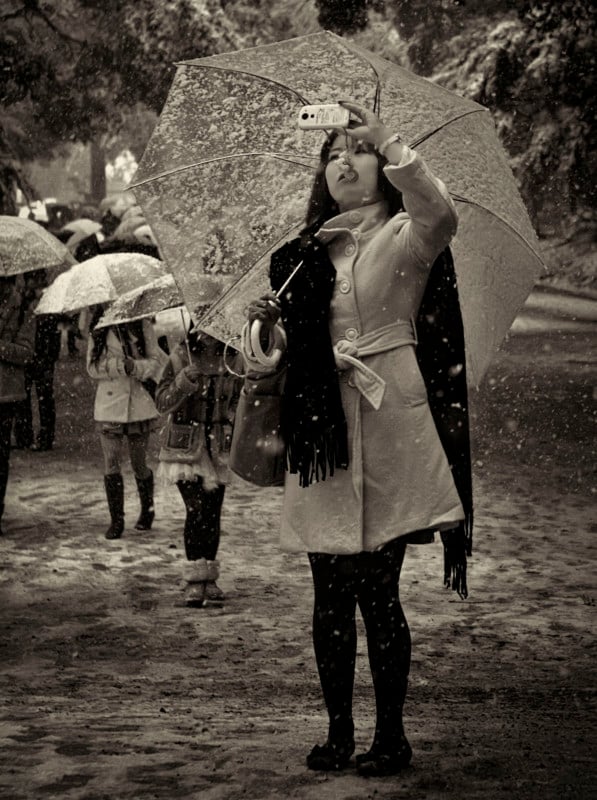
(348, 354)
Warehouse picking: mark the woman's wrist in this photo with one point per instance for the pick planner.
(382, 147)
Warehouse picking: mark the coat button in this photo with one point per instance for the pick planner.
(344, 286)
(351, 334)
(355, 216)
(356, 233)
(350, 250)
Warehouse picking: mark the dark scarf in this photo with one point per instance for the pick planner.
(312, 424)
(441, 357)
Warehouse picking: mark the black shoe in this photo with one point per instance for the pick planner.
(115, 530)
(376, 764)
(330, 757)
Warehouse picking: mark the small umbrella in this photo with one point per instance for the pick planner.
(144, 301)
(126, 229)
(25, 245)
(226, 176)
(85, 226)
(100, 279)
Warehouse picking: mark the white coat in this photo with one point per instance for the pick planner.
(120, 397)
(399, 480)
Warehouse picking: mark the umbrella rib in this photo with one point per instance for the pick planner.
(427, 135)
(175, 170)
(460, 199)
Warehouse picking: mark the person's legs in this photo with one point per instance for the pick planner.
(202, 539)
(7, 411)
(23, 416)
(112, 445)
(335, 643)
(389, 647)
(144, 478)
(44, 387)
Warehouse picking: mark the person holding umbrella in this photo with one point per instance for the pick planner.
(17, 333)
(122, 358)
(200, 396)
(375, 428)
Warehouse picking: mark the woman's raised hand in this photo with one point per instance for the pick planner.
(368, 127)
(266, 309)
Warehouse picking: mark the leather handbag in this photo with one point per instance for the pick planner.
(183, 442)
(257, 452)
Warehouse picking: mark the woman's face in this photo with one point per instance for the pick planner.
(351, 159)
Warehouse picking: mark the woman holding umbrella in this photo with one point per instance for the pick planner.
(376, 431)
(123, 359)
(200, 397)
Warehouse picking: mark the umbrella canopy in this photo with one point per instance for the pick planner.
(144, 301)
(25, 245)
(100, 279)
(85, 226)
(245, 142)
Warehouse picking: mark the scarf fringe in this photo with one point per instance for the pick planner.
(458, 544)
(317, 457)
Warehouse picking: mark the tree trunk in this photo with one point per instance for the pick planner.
(98, 172)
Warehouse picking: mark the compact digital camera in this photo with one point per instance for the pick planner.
(326, 115)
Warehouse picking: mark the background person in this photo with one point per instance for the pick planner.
(39, 373)
(199, 395)
(17, 330)
(371, 464)
(121, 358)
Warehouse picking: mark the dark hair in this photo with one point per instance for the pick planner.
(322, 205)
(123, 332)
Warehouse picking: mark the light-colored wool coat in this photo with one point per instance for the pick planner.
(120, 397)
(398, 480)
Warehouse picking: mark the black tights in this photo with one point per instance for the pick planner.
(372, 581)
(202, 523)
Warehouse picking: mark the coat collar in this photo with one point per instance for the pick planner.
(362, 219)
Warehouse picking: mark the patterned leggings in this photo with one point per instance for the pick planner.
(113, 447)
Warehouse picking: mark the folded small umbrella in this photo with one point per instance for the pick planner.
(25, 245)
(100, 279)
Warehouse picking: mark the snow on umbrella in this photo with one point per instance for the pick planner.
(100, 279)
(25, 245)
(226, 176)
(144, 301)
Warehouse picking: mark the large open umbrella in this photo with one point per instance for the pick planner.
(25, 245)
(226, 176)
(100, 279)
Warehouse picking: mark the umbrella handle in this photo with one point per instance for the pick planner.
(186, 338)
(254, 337)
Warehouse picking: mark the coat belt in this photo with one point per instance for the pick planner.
(348, 353)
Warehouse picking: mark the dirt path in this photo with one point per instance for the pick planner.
(112, 689)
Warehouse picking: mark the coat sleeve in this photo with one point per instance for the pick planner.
(430, 220)
(20, 350)
(174, 387)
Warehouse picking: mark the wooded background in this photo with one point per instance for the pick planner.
(98, 72)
